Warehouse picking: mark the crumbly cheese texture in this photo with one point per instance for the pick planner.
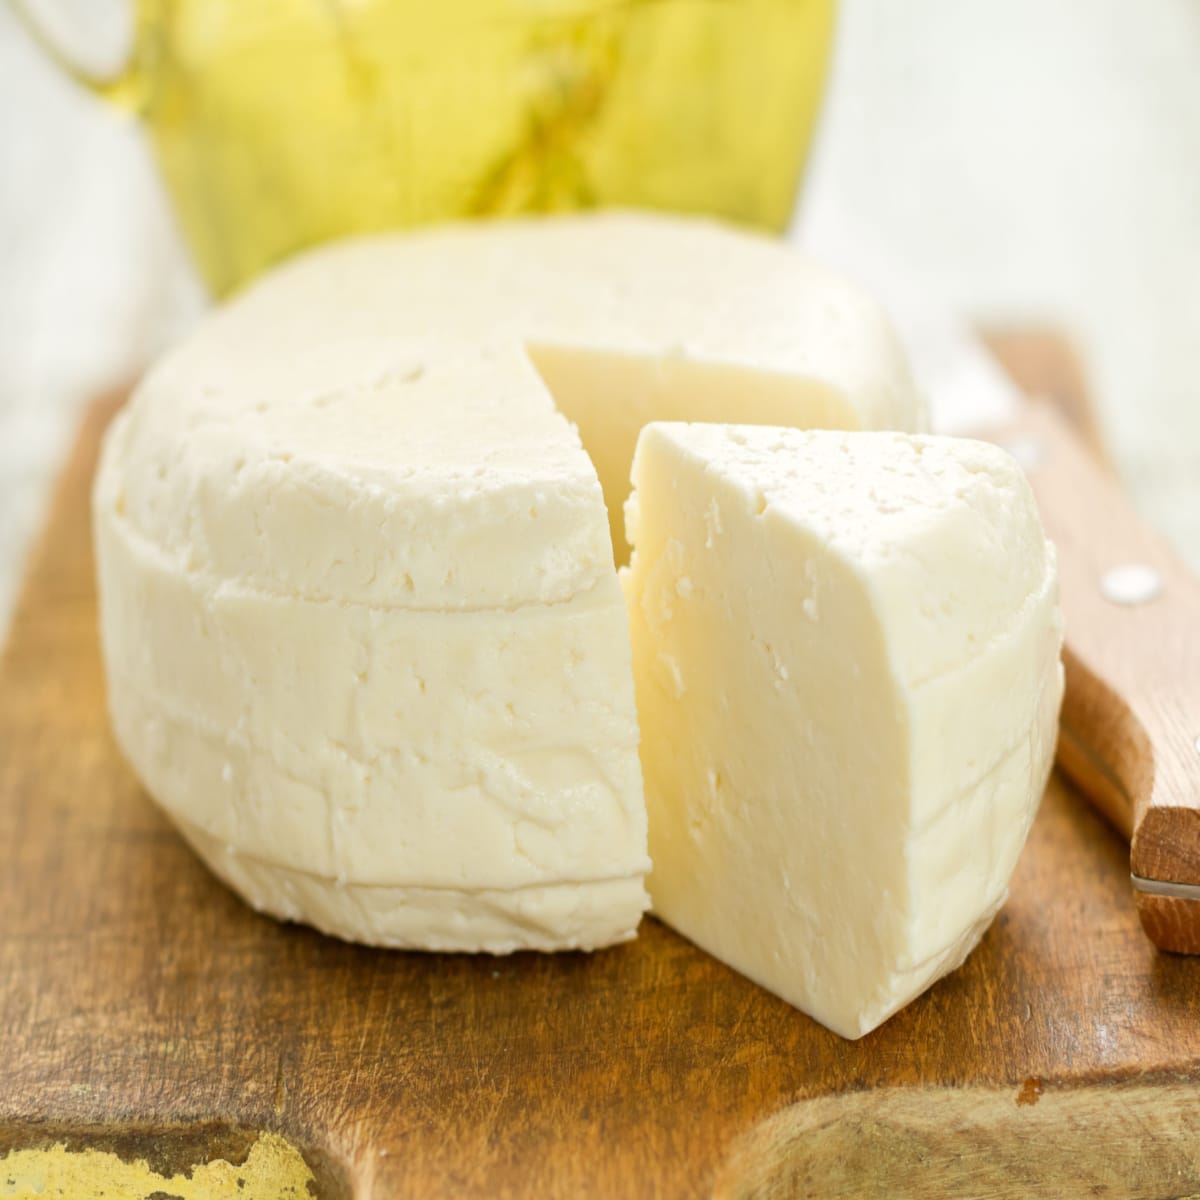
(363, 633)
(440, 768)
(847, 658)
(623, 318)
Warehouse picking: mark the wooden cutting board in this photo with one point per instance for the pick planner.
(145, 1012)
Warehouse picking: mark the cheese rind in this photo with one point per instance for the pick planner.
(564, 916)
(488, 749)
(846, 649)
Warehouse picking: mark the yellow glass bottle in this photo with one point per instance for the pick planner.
(281, 123)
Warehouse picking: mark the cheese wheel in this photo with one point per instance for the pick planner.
(846, 649)
(363, 633)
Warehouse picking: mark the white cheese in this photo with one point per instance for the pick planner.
(562, 916)
(627, 318)
(364, 637)
(846, 650)
(453, 766)
(494, 748)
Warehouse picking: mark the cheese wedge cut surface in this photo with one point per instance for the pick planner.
(363, 633)
(846, 649)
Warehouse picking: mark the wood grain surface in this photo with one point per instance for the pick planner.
(1131, 716)
(145, 1009)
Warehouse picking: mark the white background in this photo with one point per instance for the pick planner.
(1016, 160)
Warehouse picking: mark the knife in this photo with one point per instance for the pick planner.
(1129, 734)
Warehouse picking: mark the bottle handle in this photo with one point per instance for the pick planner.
(47, 26)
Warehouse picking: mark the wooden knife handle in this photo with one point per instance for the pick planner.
(1130, 731)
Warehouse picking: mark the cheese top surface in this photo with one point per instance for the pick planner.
(945, 529)
(846, 651)
(636, 283)
(391, 385)
(351, 470)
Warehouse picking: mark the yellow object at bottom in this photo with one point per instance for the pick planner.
(273, 1170)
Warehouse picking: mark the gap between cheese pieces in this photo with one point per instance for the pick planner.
(363, 634)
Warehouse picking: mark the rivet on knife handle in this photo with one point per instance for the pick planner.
(1131, 715)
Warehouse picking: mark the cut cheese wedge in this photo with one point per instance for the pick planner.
(363, 632)
(846, 649)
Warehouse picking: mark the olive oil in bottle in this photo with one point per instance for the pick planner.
(282, 123)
